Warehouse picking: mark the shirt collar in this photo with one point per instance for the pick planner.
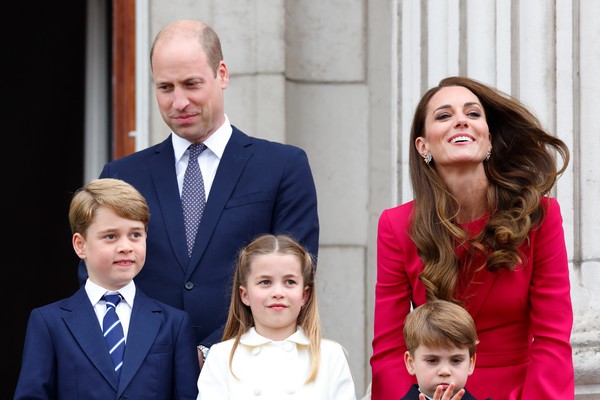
(253, 338)
(216, 142)
(427, 397)
(95, 292)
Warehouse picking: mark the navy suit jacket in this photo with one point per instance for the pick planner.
(65, 355)
(260, 187)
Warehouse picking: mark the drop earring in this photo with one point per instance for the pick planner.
(489, 154)
(427, 158)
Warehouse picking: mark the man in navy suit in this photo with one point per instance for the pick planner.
(65, 354)
(252, 186)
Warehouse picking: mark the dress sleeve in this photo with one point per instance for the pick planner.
(550, 374)
(341, 384)
(393, 292)
(213, 382)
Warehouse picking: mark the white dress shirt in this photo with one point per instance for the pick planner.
(275, 370)
(123, 309)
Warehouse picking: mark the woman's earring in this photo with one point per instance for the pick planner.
(427, 158)
(489, 154)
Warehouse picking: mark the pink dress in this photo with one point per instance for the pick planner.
(523, 317)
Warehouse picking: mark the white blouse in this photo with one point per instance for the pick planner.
(275, 370)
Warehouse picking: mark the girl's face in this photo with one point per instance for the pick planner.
(456, 131)
(440, 366)
(275, 293)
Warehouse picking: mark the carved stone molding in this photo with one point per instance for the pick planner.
(585, 341)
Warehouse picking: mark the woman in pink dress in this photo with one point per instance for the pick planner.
(483, 232)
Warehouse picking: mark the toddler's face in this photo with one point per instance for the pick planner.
(440, 366)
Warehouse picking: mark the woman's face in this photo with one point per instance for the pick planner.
(456, 131)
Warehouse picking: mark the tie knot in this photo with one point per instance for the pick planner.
(112, 299)
(196, 149)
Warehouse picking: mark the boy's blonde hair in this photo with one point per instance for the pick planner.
(118, 195)
(240, 317)
(440, 323)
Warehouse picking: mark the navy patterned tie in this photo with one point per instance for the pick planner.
(193, 197)
(113, 331)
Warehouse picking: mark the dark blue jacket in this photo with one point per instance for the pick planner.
(65, 354)
(260, 187)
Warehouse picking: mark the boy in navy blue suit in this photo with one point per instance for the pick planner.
(65, 354)
(441, 340)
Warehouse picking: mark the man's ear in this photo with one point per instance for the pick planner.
(223, 74)
(409, 362)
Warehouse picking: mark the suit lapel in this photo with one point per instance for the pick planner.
(143, 327)
(236, 155)
(162, 168)
(80, 318)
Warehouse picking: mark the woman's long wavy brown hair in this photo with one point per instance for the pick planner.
(521, 170)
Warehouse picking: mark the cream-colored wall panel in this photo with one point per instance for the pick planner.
(330, 122)
(589, 138)
(270, 35)
(383, 74)
(504, 44)
(442, 47)
(412, 83)
(235, 23)
(481, 41)
(325, 40)
(536, 58)
(342, 303)
(252, 35)
(164, 12)
(565, 118)
(255, 104)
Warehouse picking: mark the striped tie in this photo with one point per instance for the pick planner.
(113, 331)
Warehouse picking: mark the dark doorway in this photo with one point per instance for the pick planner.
(43, 160)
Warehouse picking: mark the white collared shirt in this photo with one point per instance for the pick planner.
(209, 159)
(127, 292)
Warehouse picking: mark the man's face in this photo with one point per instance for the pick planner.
(188, 92)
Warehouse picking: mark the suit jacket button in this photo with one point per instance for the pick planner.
(189, 285)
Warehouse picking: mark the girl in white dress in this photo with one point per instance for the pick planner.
(272, 346)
